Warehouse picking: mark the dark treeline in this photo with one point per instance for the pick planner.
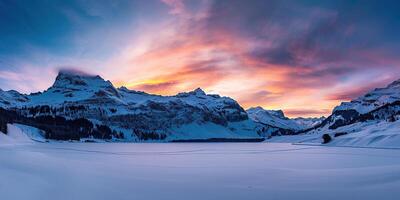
(148, 135)
(59, 128)
(274, 131)
(141, 125)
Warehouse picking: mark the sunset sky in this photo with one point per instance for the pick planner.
(301, 56)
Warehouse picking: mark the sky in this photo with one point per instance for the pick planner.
(301, 56)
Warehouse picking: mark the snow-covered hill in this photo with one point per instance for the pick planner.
(133, 114)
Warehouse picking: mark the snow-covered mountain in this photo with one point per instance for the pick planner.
(373, 99)
(308, 122)
(130, 114)
(11, 98)
(368, 106)
(368, 120)
(276, 118)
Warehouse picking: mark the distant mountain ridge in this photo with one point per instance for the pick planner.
(276, 118)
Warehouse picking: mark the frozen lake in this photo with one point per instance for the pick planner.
(196, 171)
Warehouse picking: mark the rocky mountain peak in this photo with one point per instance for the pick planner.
(198, 91)
(70, 78)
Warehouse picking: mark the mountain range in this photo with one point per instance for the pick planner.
(128, 115)
(81, 106)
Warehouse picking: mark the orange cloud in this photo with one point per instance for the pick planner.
(219, 65)
(185, 53)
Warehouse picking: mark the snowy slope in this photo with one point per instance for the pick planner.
(370, 134)
(21, 134)
(377, 134)
(32, 133)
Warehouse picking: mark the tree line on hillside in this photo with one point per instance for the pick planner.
(59, 128)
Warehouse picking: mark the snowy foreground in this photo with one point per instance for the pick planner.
(32, 170)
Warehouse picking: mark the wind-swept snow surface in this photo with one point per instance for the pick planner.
(196, 171)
